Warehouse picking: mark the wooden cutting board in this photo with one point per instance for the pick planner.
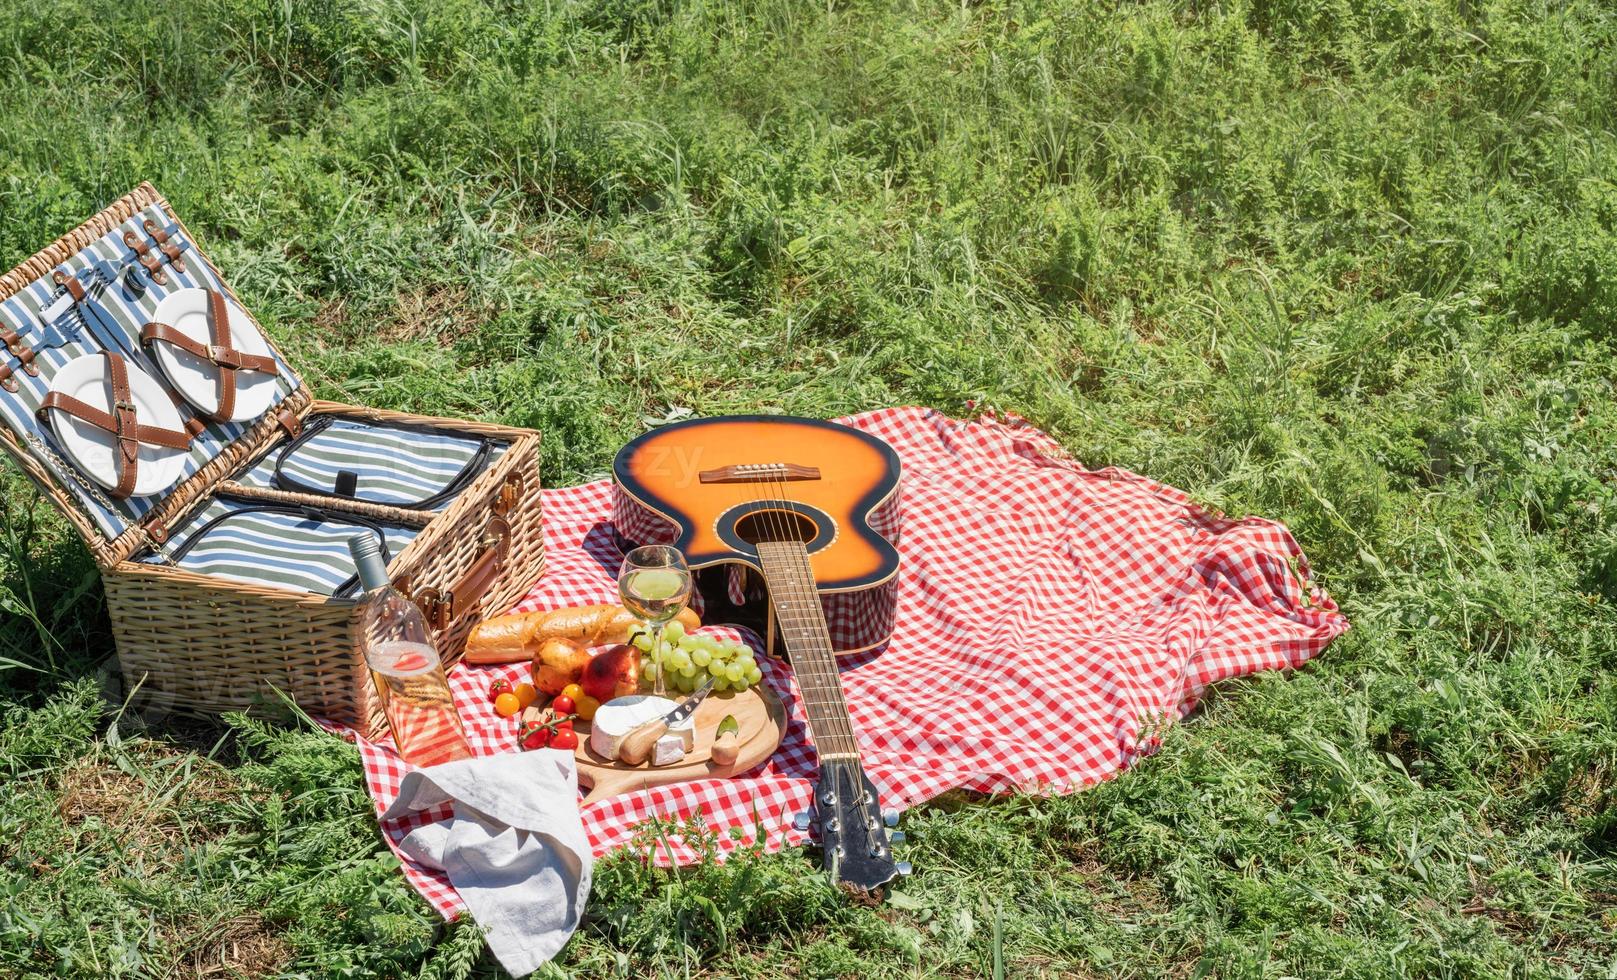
(762, 723)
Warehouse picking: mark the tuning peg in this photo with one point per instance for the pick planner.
(890, 817)
(903, 868)
(803, 821)
(896, 838)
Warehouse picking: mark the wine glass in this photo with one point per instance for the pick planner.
(655, 584)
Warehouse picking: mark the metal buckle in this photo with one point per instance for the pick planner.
(496, 536)
(225, 357)
(509, 496)
(435, 608)
(130, 407)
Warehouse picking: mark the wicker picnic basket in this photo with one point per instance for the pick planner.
(198, 642)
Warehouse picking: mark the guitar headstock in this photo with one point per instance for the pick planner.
(855, 835)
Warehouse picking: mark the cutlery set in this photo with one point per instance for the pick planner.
(67, 318)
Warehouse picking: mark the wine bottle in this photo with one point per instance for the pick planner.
(404, 663)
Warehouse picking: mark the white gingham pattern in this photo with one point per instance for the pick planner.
(1051, 620)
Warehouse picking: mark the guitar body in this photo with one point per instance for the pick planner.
(686, 485)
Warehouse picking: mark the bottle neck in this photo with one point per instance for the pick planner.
(372, 572)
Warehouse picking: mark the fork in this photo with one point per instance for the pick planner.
(64, 320)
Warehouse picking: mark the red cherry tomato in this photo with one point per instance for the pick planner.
(563, 705)
(534, 736)
(565, 738)
(498, 688)
(566, 723)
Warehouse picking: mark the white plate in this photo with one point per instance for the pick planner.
(92, 449)
(197, 378)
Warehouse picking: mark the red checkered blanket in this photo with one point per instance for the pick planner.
(1051, 621)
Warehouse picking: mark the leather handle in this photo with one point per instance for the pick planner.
(442, 608)
(485, 571)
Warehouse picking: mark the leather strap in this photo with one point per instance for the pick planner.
(193, 424)
(289, 422)
(226, 358)
(440, 608)
(10, 338)
(480, 576)
(7, 381)
(143, 252)
(25, 357)
(122, 422)
(168, 248)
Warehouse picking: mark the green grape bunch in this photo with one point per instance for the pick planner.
(690, 660)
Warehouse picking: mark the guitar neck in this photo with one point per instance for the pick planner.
(808, 642)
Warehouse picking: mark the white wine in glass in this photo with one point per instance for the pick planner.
(655, 585)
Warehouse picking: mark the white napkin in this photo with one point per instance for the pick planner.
(515, 848)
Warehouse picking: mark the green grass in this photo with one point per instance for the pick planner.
(1351, 266)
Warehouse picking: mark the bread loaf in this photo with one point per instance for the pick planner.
(509, 639)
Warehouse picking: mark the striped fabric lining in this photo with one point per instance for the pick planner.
(395, 465)
(125, 314)
(282, 548)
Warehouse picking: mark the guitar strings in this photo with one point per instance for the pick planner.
(825, 661)
(805, 665)
(826, 667)
(777, 529)
(808, 607)
(819, 662)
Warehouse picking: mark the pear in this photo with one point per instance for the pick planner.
(612, 673)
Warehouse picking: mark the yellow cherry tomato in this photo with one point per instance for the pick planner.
(507, 705)
(584, 707)
(527, 694)
(573, 691)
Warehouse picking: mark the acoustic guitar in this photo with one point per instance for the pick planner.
(786, 525)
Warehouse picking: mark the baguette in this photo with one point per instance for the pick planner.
(510, 639)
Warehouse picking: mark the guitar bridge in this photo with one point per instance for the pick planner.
(759, 473)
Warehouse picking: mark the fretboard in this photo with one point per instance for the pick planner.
(808, 643)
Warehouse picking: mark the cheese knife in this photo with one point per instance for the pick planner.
(637, 745)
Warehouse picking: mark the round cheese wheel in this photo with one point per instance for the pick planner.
(620, 716)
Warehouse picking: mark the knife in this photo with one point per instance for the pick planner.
(95, 313)
(101, 275)
(95, 281)
(637, 745)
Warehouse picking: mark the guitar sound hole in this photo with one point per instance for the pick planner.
(776, 525)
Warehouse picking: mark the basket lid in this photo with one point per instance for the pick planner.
(137, 226)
